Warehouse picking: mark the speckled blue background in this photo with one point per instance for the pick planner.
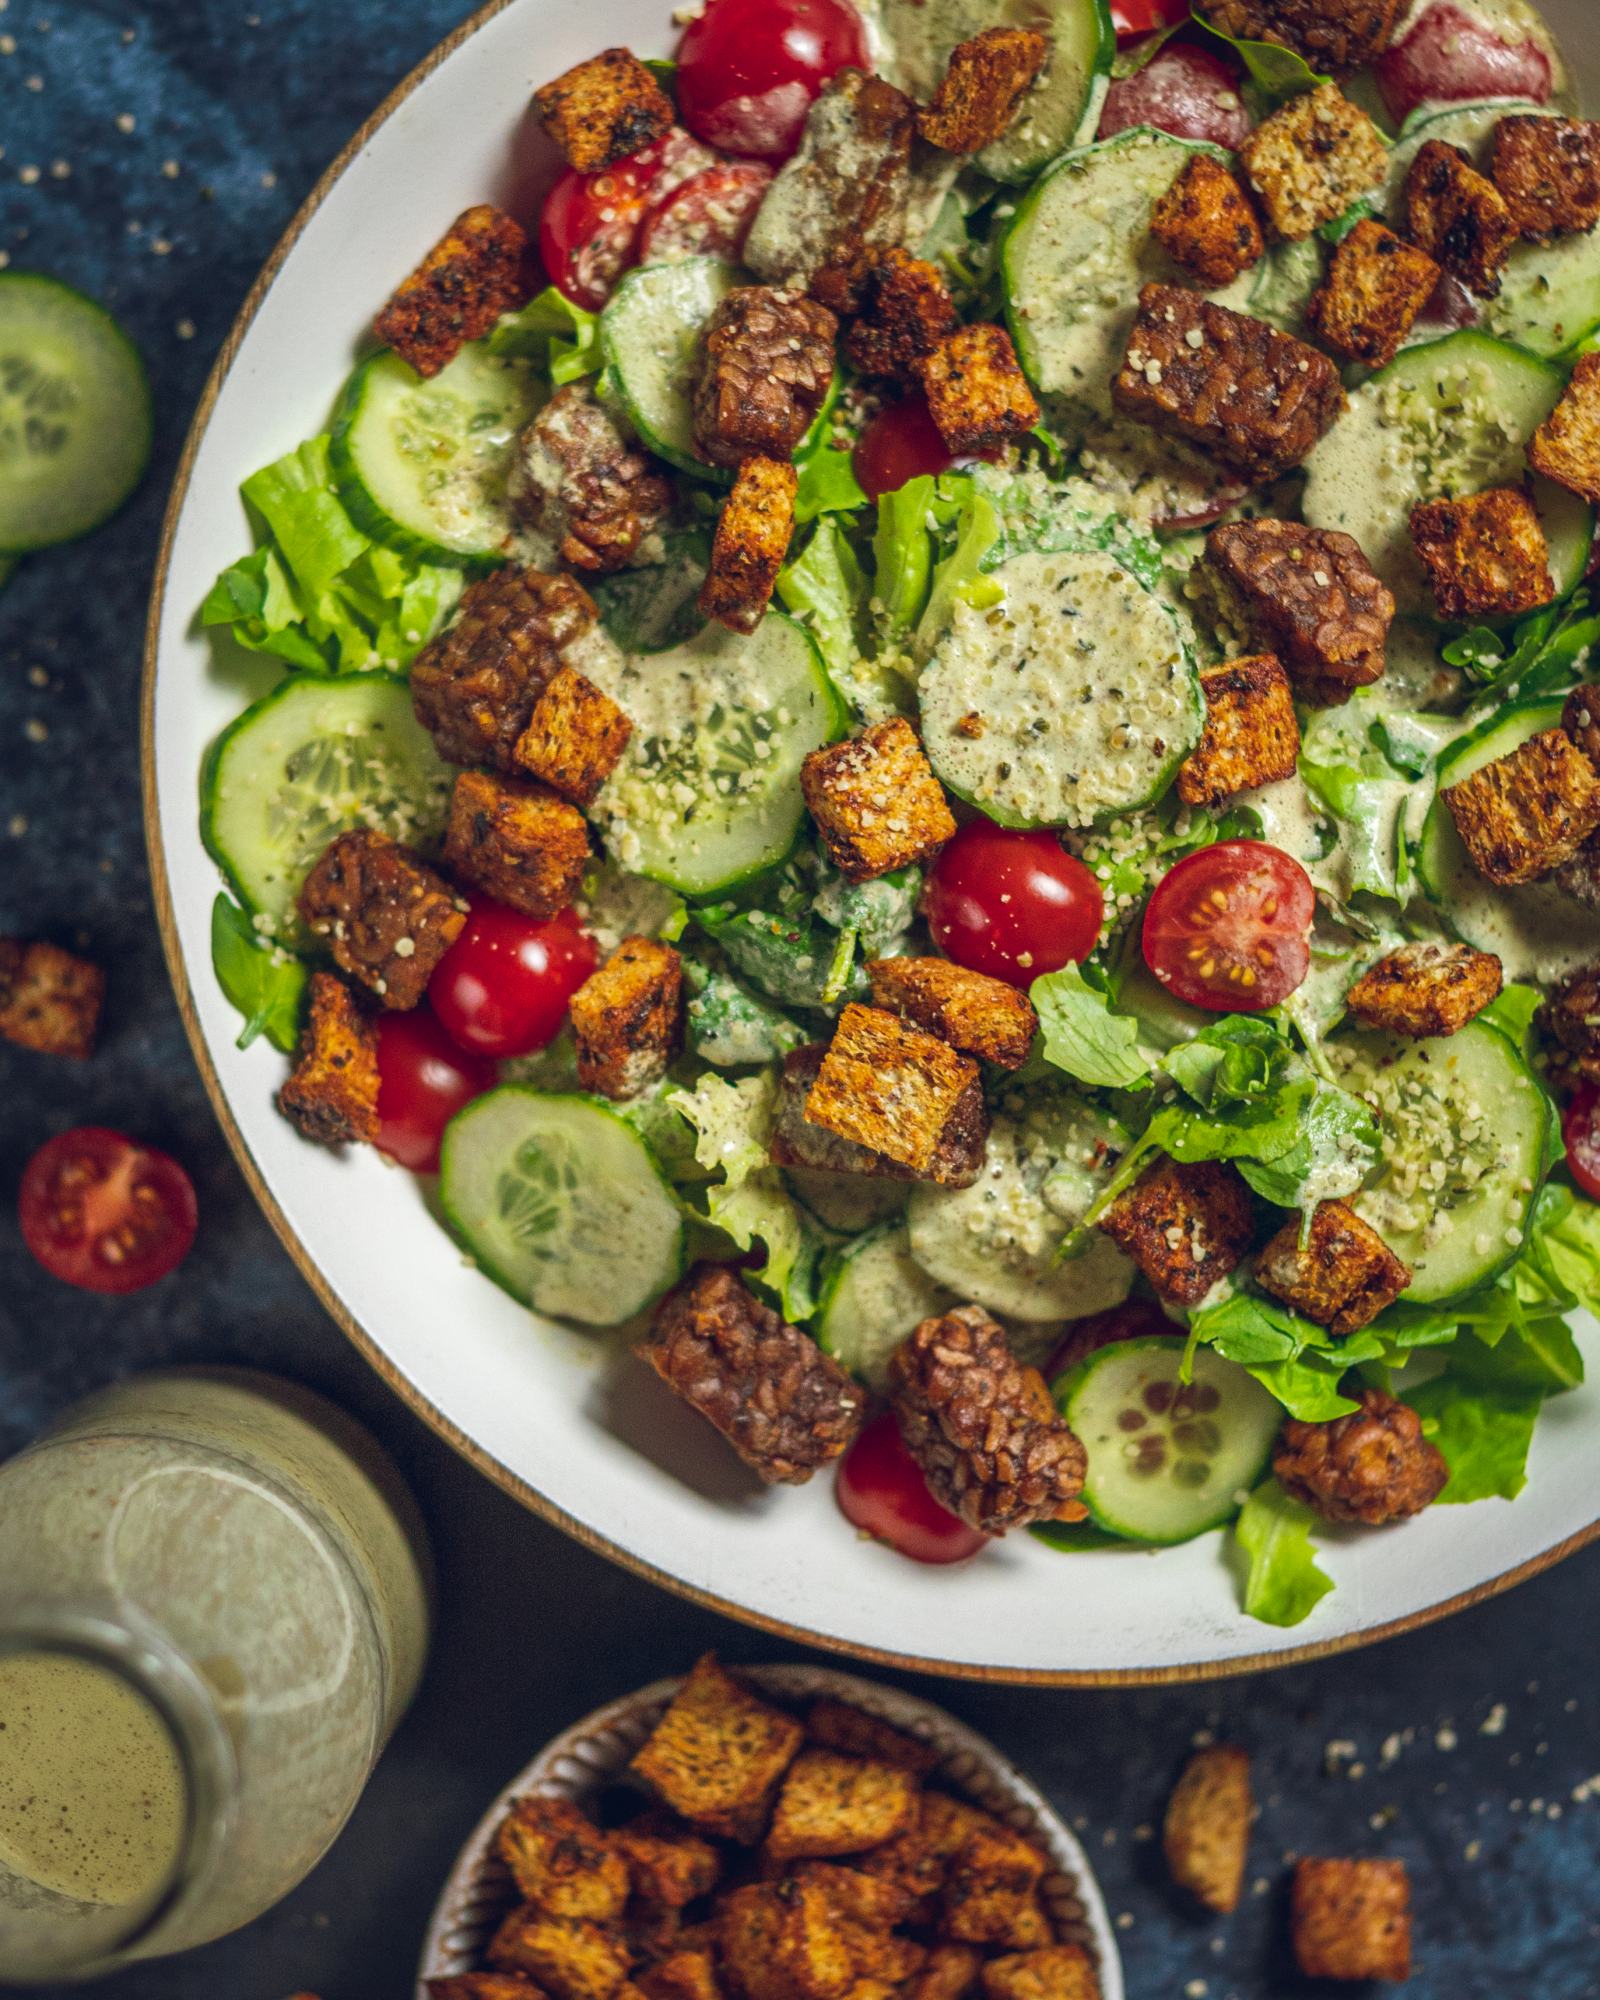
(152, 156)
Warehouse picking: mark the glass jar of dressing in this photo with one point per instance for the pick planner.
(214, 1607)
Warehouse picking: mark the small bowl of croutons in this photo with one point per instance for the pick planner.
(779, 1833)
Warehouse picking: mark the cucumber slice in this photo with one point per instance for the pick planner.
(321, 753)
(1168, 1459)
(1083, 685)
(1282, 284)
(423, 465)
(647, 610)
(708, 791)
(562, 1203)
(1452, 416)
(75, 414)
(649, 334)
(1466, 1130)
(874, 1293)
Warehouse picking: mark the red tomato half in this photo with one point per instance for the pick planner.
(707, 215)
(590, 227)
(1228, 928)
(1132, 18)
(881, 1491)
(1580, 1128)
(1188, 91)
(104, 1213)
(901, 442)
(749, 69)
(502, 988)
(423, 1081)
(1014, 905)
(1449, 56)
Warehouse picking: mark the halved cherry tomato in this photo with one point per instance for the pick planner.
(901, 442)
(1450, 56)
(707, 215)
(1012, 904)
(1132, 18)
(1190, 92)
(502, 988)
(423, 1081)
(881, 1490)
(1580, 1128)
(749, 69)
(1228, 928)
(104, 1213)
(590, 225)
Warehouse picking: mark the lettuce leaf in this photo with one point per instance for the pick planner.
(558, 336)
(1482, 1410)
(828, 483)
(266, 986)
(1084, 1037)
(1282, 1584)
(902, 554)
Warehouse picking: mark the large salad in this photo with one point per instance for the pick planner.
(942, 754)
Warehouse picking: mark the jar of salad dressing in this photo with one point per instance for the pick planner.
(214, 1607)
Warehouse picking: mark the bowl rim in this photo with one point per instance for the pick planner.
(527, 1495)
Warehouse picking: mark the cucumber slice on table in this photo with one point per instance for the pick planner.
(649, 333)
(562, 1203)
(423, 465)
(75, 414)
(321, 753)
(874, 1293)
(1168, 1459)
(708, 791)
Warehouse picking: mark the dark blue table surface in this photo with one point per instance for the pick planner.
(152, 155)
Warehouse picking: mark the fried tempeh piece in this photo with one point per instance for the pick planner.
(584, 480)
(1342, 1279)
(1571, 1012)
(1548, 173)
(1523, 814)
(1566, 446)
(1334, 35)
(332, 1092)
(1426, 988)
(1312, 594)
(1206, 1833)
(516, 842)
(1457, 216)
(981, 1016)
(875, 800)
(467, 280)
(718, 1754)
(1377, 284)
(602, 110)
(382, 912)
(976, 390)
(627, 1018)
(574, 739)
(831, 1803)
(1312, 158)
(751, 541)
(887, 1085)
(1185, 1226)
(981, 88)
(1205, 223)
(1251, 735)
(50, 999)
(1370, 1466)
(1351, 1919)
(1485, 554)
(766, 360)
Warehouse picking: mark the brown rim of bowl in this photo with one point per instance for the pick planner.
(333, 1305)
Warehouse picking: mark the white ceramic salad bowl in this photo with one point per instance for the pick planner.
(563, 1420)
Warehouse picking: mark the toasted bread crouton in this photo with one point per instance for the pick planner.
(875, 800)
(1571, 1013)
(385, 916)
(1485, 554)
(1311, 159)
(50, 999)
(566, 1957)
(482, 1986)
(1334, 35)
(574, 738)
(991, 1894)
(332, 1091)
(976, 390)
(751, 541)
(561, 1862)
(836, 1725)
(981, 88)
(1205, 223)
(1377, 284)
(1548, 171)
(1351, 1919)
(981, 1016)
(887, 1085)
(627, 1018)
(682, 1975)
(904, 309)
(1060, 1972)
(669, 1865)
(466, 281)
(1342, 1279)
(947, 1824)
(1457, 216)
(1251, 736)
(957, 1160)
(949, 1972)
(1427, 988)
(718, 1754)
(785, 1941)
(516, 842)
(831, 1803)
(1523, 814)
(604, 109)
(1566, 446)
(1184, 1226)
(1206, 1833)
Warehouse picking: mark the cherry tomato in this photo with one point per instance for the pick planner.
(1188, 91)
(502, 988)
(1580, 1128)
(881, 1490)
(901, 442)
(423, 1081)
(1014, 905)
(589, 227)
(1132, 18)
(707, 215)
(104, 1213)
(1449, 56)
(1227, 929)
(749, 69)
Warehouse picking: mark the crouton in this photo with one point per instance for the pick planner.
(1566, 446)
(718, 1754)
(1427, 988)
(1571, 1013)
(50, 999)
(1369, 1467)
(1311, 594)
(668, 1864)
(785, 1941)
(1457, 216)
(1580, 718)
(332, 1092)
(456, 294)
(978, 1015)
(750, 544)
(574, 738)
(383, 913)
(1334, 35)
(1342, 1279)
(1251, 735)
(482, 1986)
(1521, 815)
(1377, 284)
(1485, 554)
(982, 85)
(991, 1894)
(949, 1972)
(904, 310)
(517, 843)
(561, 1862)
(1206, 1833)
(1548, 174)
(581, 478)
(627, 1018)
(887, 1085)
(976, 390)
(957, 1159)
(682, 1975)
(1060, 1972)
(1311, 158)
(837, 1725)
(1205, 223)
(831, 1803)
(1351, 1919)
(1184, 1226)
(766, 362)
(875, 800)
(947, 1824)
(566, 1957)
(602, 110)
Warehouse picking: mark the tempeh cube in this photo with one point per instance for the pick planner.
(904, 311)
(1312, 594)
(766, 364)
